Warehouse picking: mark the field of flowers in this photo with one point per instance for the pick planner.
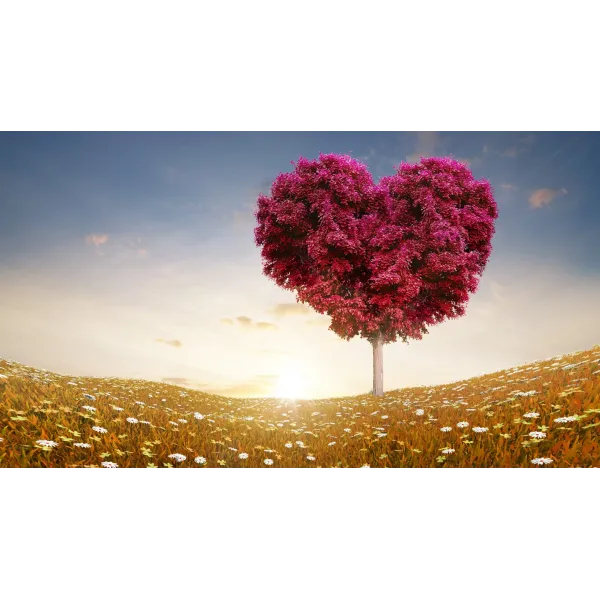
(546, 414)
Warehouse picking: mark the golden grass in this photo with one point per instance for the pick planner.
(380, 432)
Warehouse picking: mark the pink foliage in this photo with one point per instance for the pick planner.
(391, 258)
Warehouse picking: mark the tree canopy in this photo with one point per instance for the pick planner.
(386, 259)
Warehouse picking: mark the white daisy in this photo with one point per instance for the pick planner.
(132, 420)
(462, 424)
(565, 419)
(537, 434)
(177, 457)
(448, 451)
(419, 412)
(109, 465)
(47, 443)
(289, 445)
(200, 460)
(82, 445)
(99, 429)
(445, 429)
(480, 429)
(243, 456)
(268, 461)
(531, 415)
(542, 461)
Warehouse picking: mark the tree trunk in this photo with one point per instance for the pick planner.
(378, 366)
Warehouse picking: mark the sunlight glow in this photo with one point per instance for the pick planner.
(291, 384)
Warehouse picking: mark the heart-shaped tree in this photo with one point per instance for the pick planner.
(383, 261)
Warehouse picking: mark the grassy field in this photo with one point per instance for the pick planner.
(542, 415)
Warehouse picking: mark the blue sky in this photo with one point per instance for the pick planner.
(112, 241)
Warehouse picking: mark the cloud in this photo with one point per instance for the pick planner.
(544, 196)
(174, 343)
(427, 144)
(523, 145)
(508, 186)
(96, 239)
(247, 323)
(366, 157)
(243, 218)
(324, 322)
(142, 252)
(289, 308)
(260, 387)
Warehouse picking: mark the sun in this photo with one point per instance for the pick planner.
(291, 384)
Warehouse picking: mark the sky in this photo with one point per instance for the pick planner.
(132, 255)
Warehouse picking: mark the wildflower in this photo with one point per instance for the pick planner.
(445, 429)
(300, 443)
(89, 408)
(1, 439)
(268, 461)
(200, 460)
(89, 396)
(173, 423)
(145, 422)
(565, 419)
(82, 445)
(47, 443)
(542, 461)
(233, 449)
(99, 429)
(132, 420)
(462, 424)
(347, 430)
(177, 457)
(109, 465)
(243, 456)
(182, 420)
(198, 416)
(531, 415)
(448, 451)
(419, 412)
(480, 429)
(289, 445)
(331, 444)
(117, 408)
(537, 434)
(366, 467)
(310, 457)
